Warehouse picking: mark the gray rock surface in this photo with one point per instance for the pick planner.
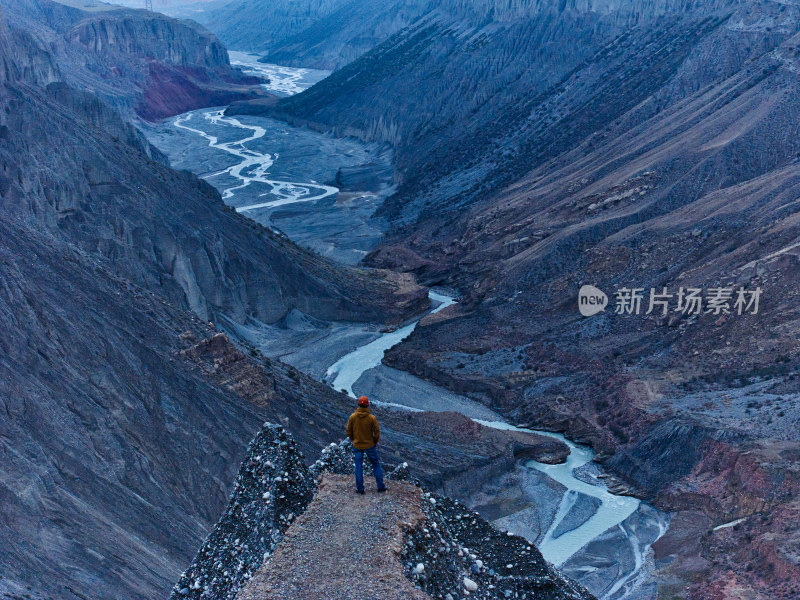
(320, 34)
(272, 489)
(476, 82)
(256, 26)
(584, 507)
(463, 555)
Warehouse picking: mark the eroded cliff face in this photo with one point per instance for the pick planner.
(339, 38)
(472, 85)
(332, 34)
(180, 43)
(115, 196)
(140, 63)
(258, 26)
(8, 70)
(631, 12)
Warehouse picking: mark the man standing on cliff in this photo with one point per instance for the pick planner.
(364, 432)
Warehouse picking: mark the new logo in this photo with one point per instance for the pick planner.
(591, 300)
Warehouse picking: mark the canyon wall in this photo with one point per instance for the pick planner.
(257, 26)
(331, 34)
(142, 64)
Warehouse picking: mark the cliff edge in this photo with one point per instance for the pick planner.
(301, 533)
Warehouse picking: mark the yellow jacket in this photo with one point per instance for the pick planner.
(363, 429)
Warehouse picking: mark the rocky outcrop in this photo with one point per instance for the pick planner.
(154, 36)
(463, 555)
(272, 489)
(408, 543)
(337, 531)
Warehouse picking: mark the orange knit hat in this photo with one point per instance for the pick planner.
(363, 401)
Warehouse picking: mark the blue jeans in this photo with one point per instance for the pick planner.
(372, 455)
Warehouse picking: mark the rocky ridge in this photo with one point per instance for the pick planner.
(459, 553)
(343, 546)
(272, 489)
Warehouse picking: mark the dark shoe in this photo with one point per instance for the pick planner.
(360, 492)
(383, 489)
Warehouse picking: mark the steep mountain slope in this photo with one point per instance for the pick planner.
(694, 186)
(116, 457)
(118, 449)
(112, 194)
(461, 91)
(138, 62)
(339, 38)
(257, 26)
(667, 157)
(320, 34)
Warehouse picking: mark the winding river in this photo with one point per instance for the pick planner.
(348, 369)
(319, 190)
(253, 166)
(283, 81)
(613, 509)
